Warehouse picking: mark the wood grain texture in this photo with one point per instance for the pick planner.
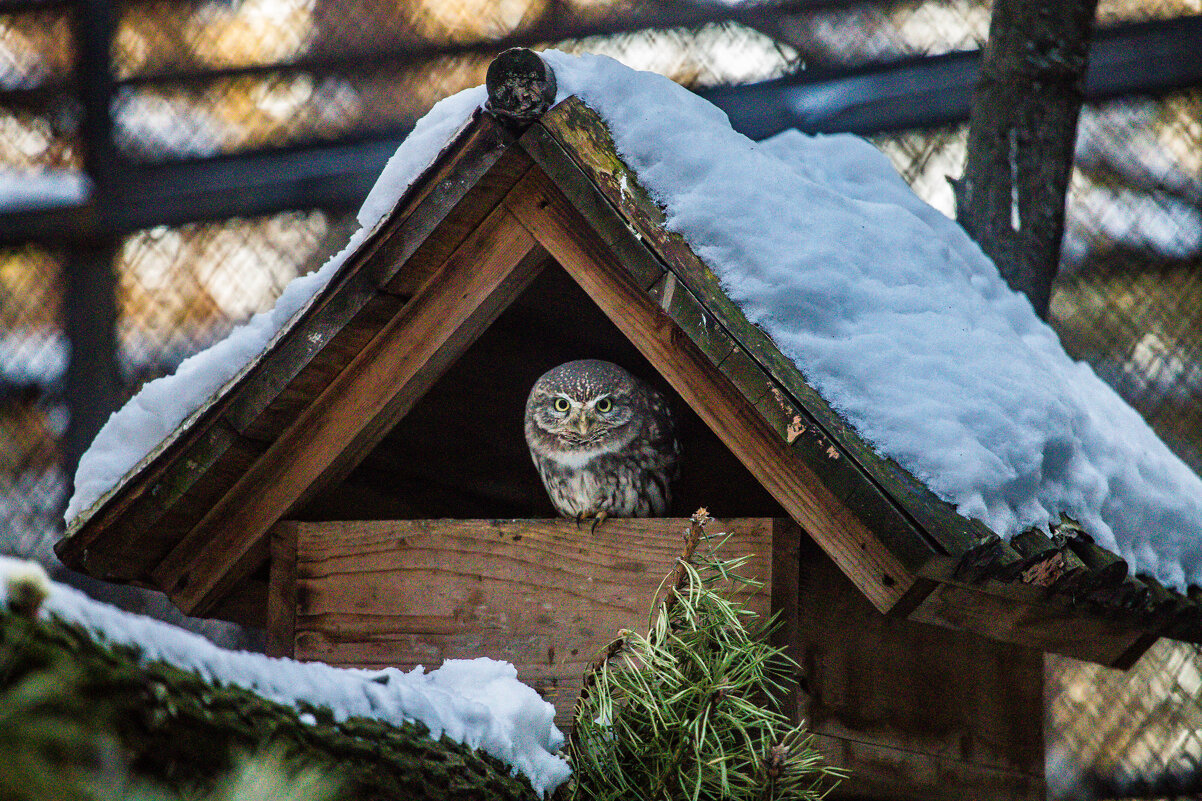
(542, 594)
(390, 374)
(962, 706)
(552, 220)
(125, 540)
(644, 266)
(281, 591)
(922, 532)
(461, 187)
(883, 772)
(1034, 620)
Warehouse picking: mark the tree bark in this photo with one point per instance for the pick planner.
(1021, 134)
(175, 729)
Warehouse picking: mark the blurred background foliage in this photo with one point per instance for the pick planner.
(212, 150)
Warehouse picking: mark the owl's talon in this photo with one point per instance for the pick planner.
(598, 519)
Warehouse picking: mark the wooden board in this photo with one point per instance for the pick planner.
(281, 591)
(125, 534)
(583, 135)
(894, 518)
(913, 711)
(881, 772)
(542, 594)
(924, 711)
(1036, 621)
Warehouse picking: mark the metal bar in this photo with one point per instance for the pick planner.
(335, 177)
(555, 26)
(1146, 58)
(33, 6)
(1152, 57)
(906, 93)
(548, 30)
(92, 383)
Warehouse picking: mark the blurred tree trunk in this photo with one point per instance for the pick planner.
(1021, 134)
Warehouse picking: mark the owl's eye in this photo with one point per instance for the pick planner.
(561, 405)
(604, 405)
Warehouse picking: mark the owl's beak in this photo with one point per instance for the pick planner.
(583, 423)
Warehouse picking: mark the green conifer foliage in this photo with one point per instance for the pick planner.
(686, 711)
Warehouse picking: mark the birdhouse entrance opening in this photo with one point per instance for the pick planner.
(460, 452)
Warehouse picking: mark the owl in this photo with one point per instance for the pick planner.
(603, 441)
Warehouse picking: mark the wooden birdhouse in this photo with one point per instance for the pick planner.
(361, 488)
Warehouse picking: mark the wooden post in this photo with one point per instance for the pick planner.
(281, 591)
(786, 556)
(93, 385)
(914, 711)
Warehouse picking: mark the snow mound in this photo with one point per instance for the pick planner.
(902, 324)
(477, 702)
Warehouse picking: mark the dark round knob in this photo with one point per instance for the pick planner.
(521, 86)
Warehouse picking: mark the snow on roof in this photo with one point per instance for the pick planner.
(885, 305)
(477, 702)
(150, 420)
(902, 324)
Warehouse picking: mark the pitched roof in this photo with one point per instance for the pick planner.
(482, 219)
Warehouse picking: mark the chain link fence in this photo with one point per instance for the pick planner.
(203, 80)
(1128, 301)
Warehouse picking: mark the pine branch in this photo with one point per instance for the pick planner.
(675, 579)
(684, 712)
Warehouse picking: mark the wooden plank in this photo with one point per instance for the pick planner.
(679, 304)
(643, 265)
(841, 477)
(552, 220)
(542, 594)
(947, 697)
(1022, 614)
(583, 135)
(422, 247)
(308, 358)
(445, 316)
(880, 772)
(786, 562)
(128, 536)
(281, 590)
(463, 186)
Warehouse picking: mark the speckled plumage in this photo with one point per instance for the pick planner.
(603, 441)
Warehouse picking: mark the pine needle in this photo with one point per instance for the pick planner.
(684, 712)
